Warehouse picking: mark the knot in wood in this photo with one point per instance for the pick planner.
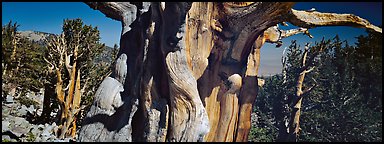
(235, 81)
(272, 34)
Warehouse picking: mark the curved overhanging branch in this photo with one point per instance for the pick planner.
(114, 10)
(311, 19)
(120, 11)
(249, 12)
(247, 23)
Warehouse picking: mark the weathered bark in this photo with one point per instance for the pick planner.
(191, 70)
(230, 56)
(229, 112)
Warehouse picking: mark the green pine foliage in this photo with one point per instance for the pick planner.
(21, 60)
(269, 111)
(346, 104)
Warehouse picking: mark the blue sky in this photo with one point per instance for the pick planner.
(49, 16)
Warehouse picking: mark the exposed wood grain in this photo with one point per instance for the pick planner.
(180, 59)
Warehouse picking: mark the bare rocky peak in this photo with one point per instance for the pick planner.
(35, 35)
(38, 37)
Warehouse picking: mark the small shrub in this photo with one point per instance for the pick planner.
(31, 137)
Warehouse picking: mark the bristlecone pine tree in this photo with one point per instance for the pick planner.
(188, 71)
(69, 57)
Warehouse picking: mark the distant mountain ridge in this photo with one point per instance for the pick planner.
(35, 36)
(38, 36)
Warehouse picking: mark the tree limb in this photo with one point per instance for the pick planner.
(66, 88)
(312, 57)
(307, 91)
(52, 65)
(84, 86)
(309, 70)
(304, 56)
(316, 19)
(303, 94)
(114, 10)
(274, 34)
(284, 63)
(67, 62)
(120, 11)
(288, 33)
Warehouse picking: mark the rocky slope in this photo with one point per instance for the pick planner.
(19, 119)
(18, 124)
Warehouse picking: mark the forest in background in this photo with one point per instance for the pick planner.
(345, 103)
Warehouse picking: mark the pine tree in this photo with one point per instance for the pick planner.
(71, 59)
(22, 61)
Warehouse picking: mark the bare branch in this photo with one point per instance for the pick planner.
(304, 56)
(74, 112)
(283, 57)
(311, 19)
(68, 85)
(307, 71)
(114, 10)
(284, 63)
(303, 94)
(347, 101)
(120, 11)
(84, 86)
(67, 62)
(314, 80)
(80, 55)
(274, 34)
(313, 56)
(307, 91)
(52, 65)
(306, 47)
(291, 32)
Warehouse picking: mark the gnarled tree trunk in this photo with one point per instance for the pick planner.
(188, 71)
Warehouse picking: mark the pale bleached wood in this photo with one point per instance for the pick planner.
(188, 116)
(317, 19)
